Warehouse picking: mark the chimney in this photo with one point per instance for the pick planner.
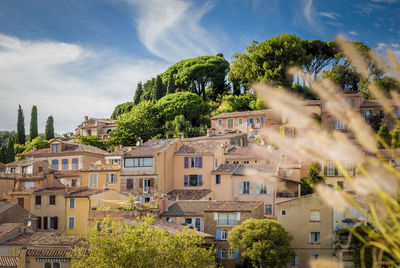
(210, 132)
(86, 118)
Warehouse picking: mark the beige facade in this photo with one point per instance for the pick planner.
(310, 221)
(95, 127)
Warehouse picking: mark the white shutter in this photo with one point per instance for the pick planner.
(238, 216)
(215, 216)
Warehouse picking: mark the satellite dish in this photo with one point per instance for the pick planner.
(29, 224)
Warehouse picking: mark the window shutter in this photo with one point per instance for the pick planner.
(186, 180)
(55, 223)
(151, 198)
(108, 178)
(200, 162)
(251, 188)
(186, 164)
(39, 223)
(200, 177)
(336, 171)
(257, 188)
(262, 120)
(218, 254)
(141, 200)
(45, 223)
(268, 189)
(238, 216)
(236, 254)
(215, 216)
(116, 177)
(240, 188)
(218, 234)
(325, 170)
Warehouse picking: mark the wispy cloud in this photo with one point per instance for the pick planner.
(381, 48)
(353, 33)
(386, 1)
(172, 30)
(65, 80)
(308, 10)
(330, 15)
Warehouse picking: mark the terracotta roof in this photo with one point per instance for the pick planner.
(57, 190)
(185, 208)
(188, 194)
(85, 192)
(4, 207)
(226, 169)
(149, 148)
(375, 103)
(233, 206)
(44, 239)
(5, 228)
(102, 167)
(71, 148)
(390, 154)
(47, 252)
(247, 152)
(237, 114)
(8, 261)
(268, 169)
(174, 228)
(217, 137)
(20, 163)
(198, 148)
(66, 173)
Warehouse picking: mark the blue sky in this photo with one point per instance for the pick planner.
(74, 58)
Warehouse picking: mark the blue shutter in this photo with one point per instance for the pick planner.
(218, 234)
(200, 177)
(186, 162)
(186, 180)
(236, 254)
(218, 254)
(200, 162)
(262, 120)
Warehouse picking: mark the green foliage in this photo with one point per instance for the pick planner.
(180, 127)
(265, 242)
(141, 245)
(359, 244)
(10, 153)
(33, 131)
(138, 93)
(3, 151)
(49, 131)
(171, 84)
(93, 141)
(345, 76)
(302, 92)
(148, 90)
(384, 134)
(141, 122)
(122, 109)
(387, 84)
(4, 135)
(395, 137)
(312, 180)
(183, 103)
(375, 121)
(159, 90)
(232, 103)
(20, 127)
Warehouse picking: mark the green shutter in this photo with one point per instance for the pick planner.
(251, 188)
(240, 188)
(257, 188)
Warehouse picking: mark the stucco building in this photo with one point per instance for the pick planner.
(95, 127)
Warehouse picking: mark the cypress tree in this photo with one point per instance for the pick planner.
(138, 93)
(10, 153)
(3, 158)
(160, 92)
(33, 131)
(20, 126)
(171, 84)
(49, 132)
(384, 134)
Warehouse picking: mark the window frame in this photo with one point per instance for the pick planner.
(97, 180)
(72, 204)
(220, 122)
(75, 167)
(69, 222)
(218, 179)
(54, 161)
(283, 212)
(316, 236)
(232, 121)
(38, 198)
(50, 200)
(314, 218)
(64, 163)
(110, 178)
(230, 218)
(138, 162)
(240, 120)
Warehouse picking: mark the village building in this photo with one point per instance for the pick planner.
(238, 139)
(100, 175)
(95, 127)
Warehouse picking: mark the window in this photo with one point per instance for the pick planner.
(29, 184)
(39, 223)
(283, 212)
(52, 265)
(53, 148)
(245, 162)
(314, 237)
(367, 115)
(315, 256)
(262, 189)
(58, 148)
(224, 254)
(129, 184)
(52, 200)
(112, 178)
(340, 185)
(53, 224)
(339, 125)
(198, 224)
(227, 219)
(295, 261)
(218, 179)
(224, 234)
(72, 203)
(330, 168)
(231, 254)
(350, 168)
(381, 114)
(38, 200)
(246, 187)
(193, 180)
(315, 215)
(220, 122)
(146, 186)
(147, 199)
(54, 163)
(196, 162)
(240, 120)
(350, 103)
(93, 180)
(65, 164)
(230, 123)
(188, 221)
(74, 163)
(268, 209)
(71, 222)
(139, 162)
(74, 183)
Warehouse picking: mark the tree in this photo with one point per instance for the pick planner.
(20, 127)
(122, 109)
(3, 156)
(49, 132)
(246, 102)
(395, 137)
(141, 122)
(312, 180)
(141, 245)
(358, 243)
(384, 135)
(10, 153)
(183, 103)
(345, 76)
(171, 84)
(265, 242)
(160, 90)
(38, 143)
(180, 127)
(138, 93)
(92, 141)
(33, 131)
(387, 84)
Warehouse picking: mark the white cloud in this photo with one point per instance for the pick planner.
(383, 47)
(386, 1)
(172, 30)
(329, 15)
(65, 80)
(308, 10)
(353, 33)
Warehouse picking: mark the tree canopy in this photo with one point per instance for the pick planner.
(49, 131)
(313, 178)
(143, 245)
(33, 131)
(264, 242)
(122, 109)
(20, 126)
(138, 93)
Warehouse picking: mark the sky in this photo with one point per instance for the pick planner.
(74, 58)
